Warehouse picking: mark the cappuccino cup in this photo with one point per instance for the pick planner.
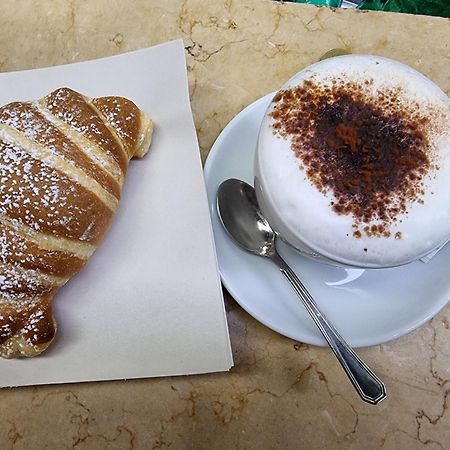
(352, 163)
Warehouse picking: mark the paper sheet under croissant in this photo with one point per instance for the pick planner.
(63, 159)
(149, 302)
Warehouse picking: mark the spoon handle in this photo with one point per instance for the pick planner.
(370, 388)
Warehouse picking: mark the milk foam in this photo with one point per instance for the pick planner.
(302, 214)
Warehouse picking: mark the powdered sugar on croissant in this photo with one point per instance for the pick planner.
(63, 159)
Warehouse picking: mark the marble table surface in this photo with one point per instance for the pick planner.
(281, 394)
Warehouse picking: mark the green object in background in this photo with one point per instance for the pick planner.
(330, 3)
(429, 7)
(439, 8)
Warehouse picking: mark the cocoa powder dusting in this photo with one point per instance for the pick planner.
(371, 152)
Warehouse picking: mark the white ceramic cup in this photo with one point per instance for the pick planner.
(303, 214)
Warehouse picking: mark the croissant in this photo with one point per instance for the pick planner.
(63, 160)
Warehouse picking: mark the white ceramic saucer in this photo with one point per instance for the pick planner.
(368, 307)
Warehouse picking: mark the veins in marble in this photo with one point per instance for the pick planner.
(13, 434)
(117, 40)
(70, 22)
(120, 429)
(184, 18)
(82, 420)
(315, 24)
(434, 355)
(432, 421)
(187, 25)
(199, 54)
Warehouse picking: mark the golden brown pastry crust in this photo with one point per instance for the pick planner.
(63, 159)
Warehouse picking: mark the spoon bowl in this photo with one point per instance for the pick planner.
(242, 219)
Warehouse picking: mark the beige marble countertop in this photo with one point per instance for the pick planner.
(281, 394)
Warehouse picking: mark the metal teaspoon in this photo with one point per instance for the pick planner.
(240, 215)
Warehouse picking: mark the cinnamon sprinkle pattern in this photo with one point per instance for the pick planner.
(371, 152)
